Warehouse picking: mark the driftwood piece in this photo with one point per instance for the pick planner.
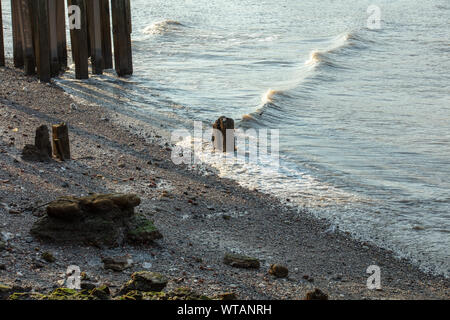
(61, 143)
(223, 132)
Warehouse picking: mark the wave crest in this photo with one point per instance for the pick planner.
(162, 27)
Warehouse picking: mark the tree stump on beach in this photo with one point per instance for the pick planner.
(223, 134)
(61, 143)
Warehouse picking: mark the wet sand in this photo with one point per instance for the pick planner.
(201, 217)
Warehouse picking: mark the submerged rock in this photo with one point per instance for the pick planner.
(241, 261)
(99, 220)
(278, 271)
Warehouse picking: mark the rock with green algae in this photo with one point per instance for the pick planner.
(241, 261)
(141, 230)
(177, 294)
(101, 293)
(98, 220)
(144, 281)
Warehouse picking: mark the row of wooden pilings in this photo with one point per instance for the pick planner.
(40, 44)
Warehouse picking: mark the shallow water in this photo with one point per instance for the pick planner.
(364, 115)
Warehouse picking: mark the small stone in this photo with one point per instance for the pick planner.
(241, 261)
(227, 296)
(317, 294)
(15, 212)
(87, 286)
(278, 271)
(117, 264)
(47, 256)
(145, 281)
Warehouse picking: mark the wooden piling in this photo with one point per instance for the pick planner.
(25, 13)
(122, 37)
(53, 38)
(79, 41)
(95, 35)
(61, 34)
(2, 46)
(42, 40)
(106, 34)
(17, 38)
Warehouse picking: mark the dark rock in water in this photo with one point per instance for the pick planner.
(42, 148)
(223, 132)
(278, 271)
(98, 220)
(317, 294)
(116, 263)
(240, 261)
(144, 281)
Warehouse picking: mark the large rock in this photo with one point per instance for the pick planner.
(241, 261)
(99, 220)
(144, 281)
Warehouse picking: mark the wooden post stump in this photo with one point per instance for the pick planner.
(17, 37)
(26, 21)
(122, 37)
(61, 143)
(2, 46)
(79, 39)
(223, 134)
(61, 34)
(95, 35)
(106, 34)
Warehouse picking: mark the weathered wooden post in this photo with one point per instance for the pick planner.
(79, 40)
(17, 37)
(25, 14)
(53, 37)
(42, 40)
(61, 143)
(61, 33)
(223, 135)
(121, 16)
(2, 46)
(95, 35)
(106, 34)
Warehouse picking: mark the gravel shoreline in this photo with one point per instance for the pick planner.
(201, 217)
